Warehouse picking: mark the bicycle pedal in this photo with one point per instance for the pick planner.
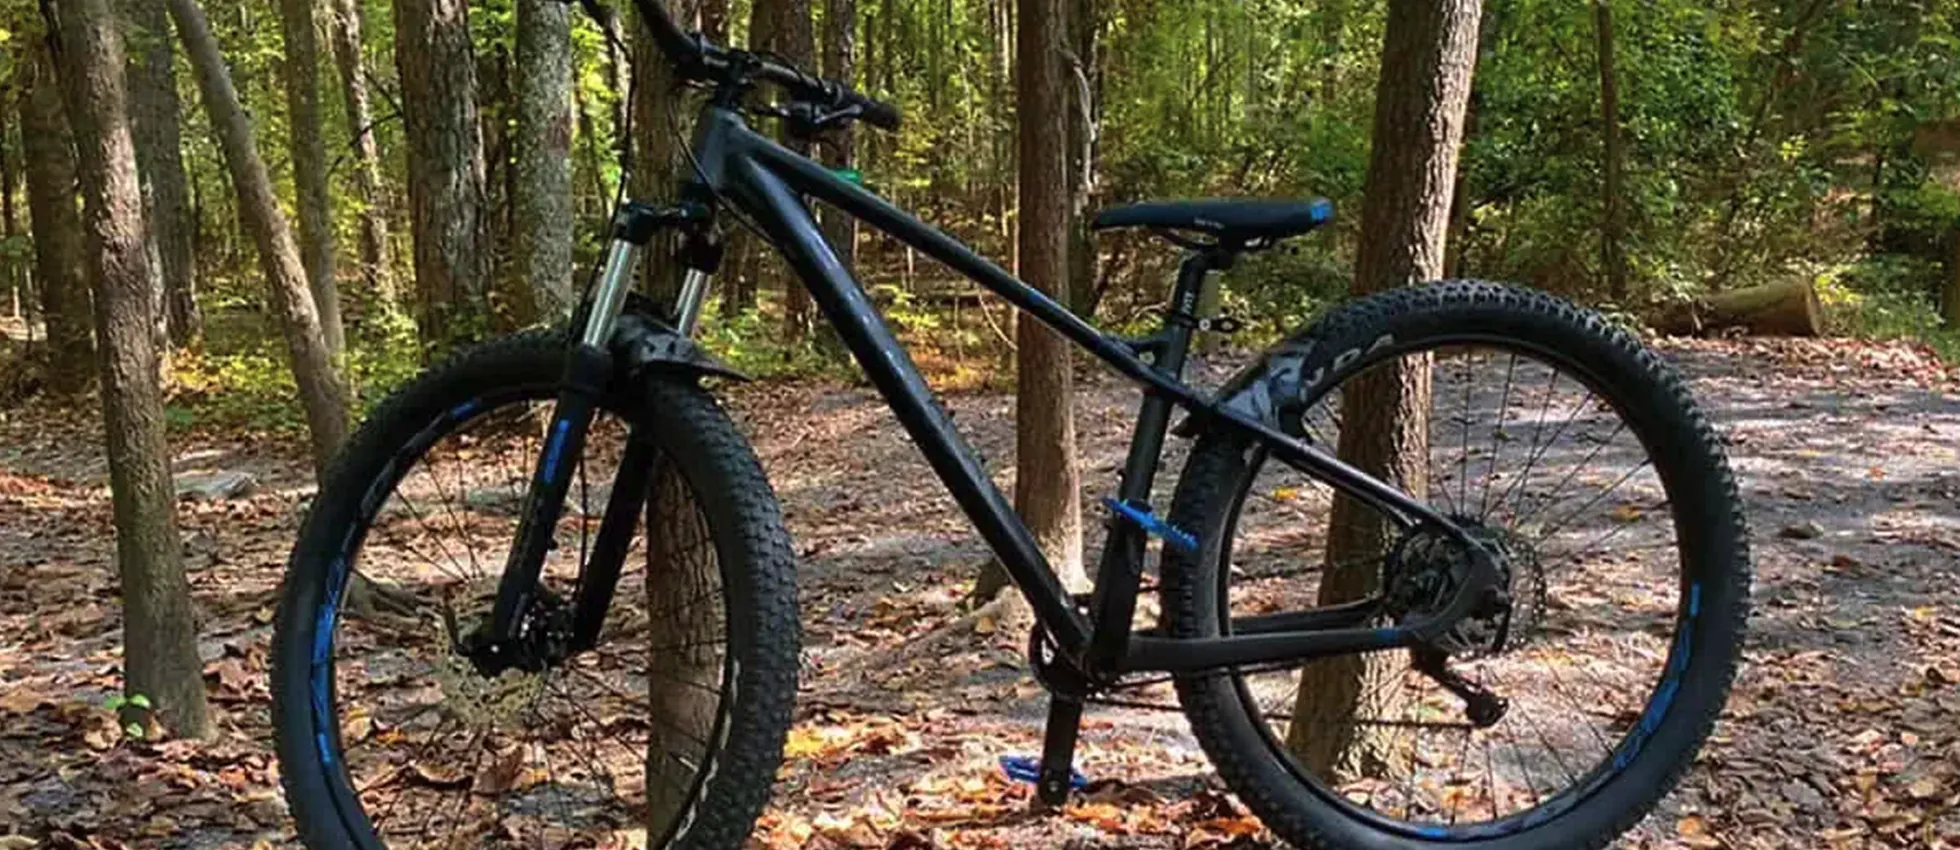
(1028, 769)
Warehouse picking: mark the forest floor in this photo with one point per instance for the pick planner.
(1841, 731)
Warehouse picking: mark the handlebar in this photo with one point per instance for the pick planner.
(698, 59)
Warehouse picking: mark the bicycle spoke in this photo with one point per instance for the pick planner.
(1496, 439)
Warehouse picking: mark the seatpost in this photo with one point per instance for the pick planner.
(1120, 572)
(1114, 602)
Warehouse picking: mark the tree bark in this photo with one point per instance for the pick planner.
(445, 166)
(783, 27)
(543, 191)
(10, 276)
(320, 388)
(156, 119)
(1084, 128)
(656, 156)
(511, 305)
(1613, 227)
(1789, 308)
(1047, 485)
(690, 639)
(1428, 56)
(840, 35)
(344, 29)
(159, 624)
(49, 153)
(308, 148)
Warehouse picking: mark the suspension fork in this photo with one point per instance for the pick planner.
(589, 370)
(638, 465)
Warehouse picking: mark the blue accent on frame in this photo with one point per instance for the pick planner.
(1322, 210)
(1153, 525)
(463, 411)
(556, 449)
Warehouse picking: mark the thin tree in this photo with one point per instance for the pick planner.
(17, 296)
(656, 156)
(1084, 129)
(839, 37)
(160, 658)
(1428, 56)
(1047, 483)
(1613, 228)
(783, 27)
(307, 145)
(320, 388)
(156, 117)
(445, 165)
(542, 193)
(48, 151)
(344, 30)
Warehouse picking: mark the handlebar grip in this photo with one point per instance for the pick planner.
(878, 113)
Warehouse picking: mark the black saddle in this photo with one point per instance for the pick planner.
(1232, 221)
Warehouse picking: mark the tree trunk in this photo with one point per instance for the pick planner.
(304, 136)
(1613, 229)
(49, 153)
(1083, 132)
(344, 27)
(656, 155)
(1047, 485)
(320, 389)
(783, 27)
(156, 120)
(445, 166)
(1950, 291)
(10, 275)
(840, 34)
(1775, 309)
(1428, 55)
(511, 305)
(159, 624)
(688, 641)
(542, 195)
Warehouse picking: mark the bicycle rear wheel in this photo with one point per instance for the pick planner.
(666, 734)
(1559, 442)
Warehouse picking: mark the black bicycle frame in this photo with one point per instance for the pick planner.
(769, 182)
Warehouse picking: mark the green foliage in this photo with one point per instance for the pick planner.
(752, 343)
(1889, 296)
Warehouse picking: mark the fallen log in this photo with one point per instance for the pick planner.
(1789, 308)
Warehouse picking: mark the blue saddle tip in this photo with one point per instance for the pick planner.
(1322, 210)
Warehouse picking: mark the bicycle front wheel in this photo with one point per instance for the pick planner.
(1553, 720)
(667, 733)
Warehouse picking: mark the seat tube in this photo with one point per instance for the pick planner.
(1120, 573)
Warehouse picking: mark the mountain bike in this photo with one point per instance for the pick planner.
(1459, 564)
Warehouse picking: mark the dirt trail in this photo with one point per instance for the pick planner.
(1842, 731)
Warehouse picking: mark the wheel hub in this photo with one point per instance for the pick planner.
(544, 640)
(1428, 568)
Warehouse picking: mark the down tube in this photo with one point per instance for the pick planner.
(837, 293)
